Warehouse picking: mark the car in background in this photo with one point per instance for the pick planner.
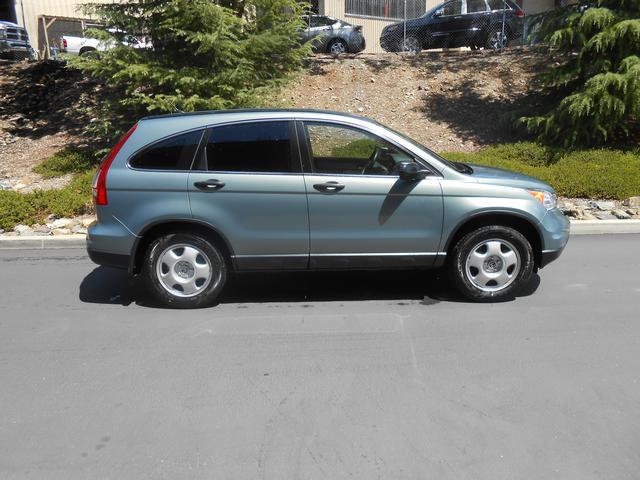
(14, 42)
(330, 35)
(457, 23)
(184, 200)
(83, 45)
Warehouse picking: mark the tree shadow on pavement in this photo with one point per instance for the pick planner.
(106, 285)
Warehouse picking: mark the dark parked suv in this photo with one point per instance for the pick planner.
(457, 23)
(185, 199)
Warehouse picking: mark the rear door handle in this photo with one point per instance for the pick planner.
(209, 185)
(328, 187)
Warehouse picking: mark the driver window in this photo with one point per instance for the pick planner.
(452, 8)
(348, 151)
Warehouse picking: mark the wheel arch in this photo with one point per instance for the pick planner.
(519, 223)
(86, 49)
(154, 230)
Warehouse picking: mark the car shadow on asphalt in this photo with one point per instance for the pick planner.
(112, 286)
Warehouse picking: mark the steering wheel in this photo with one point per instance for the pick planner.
(375, 158)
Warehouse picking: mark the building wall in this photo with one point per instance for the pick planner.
(372, 26)
(28, 12)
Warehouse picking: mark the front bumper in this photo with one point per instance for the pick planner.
(555, 232)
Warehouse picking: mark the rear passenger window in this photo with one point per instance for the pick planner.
(475, 6)
(250, 147)
(497, 5)
(175, 153)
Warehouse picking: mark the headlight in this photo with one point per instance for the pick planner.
(546, 198)
(3, 33)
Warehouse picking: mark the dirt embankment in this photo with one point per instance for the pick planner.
(450, 101)
(446, 100)
(42, 110)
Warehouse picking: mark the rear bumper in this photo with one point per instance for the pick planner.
(109, 259)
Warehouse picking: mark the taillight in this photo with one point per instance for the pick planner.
(64, 43)
(520, 13)
(100, 182)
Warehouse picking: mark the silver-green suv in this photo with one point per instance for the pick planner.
(183, 200)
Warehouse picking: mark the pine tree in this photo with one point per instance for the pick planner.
(205, 55)
(596, 92)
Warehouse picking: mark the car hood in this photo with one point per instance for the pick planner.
(507, 178)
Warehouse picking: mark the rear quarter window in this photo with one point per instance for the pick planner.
(173, 153)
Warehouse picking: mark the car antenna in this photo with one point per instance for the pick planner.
(176, 108)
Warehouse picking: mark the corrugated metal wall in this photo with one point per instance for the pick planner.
(34, 8)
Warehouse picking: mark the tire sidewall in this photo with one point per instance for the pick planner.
(202, 299)
(457, 267)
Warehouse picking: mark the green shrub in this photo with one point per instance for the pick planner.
(33, 207)
(596, 173)
(69, 160)
(14, 208)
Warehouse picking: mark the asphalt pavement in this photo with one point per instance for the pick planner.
(332, 375)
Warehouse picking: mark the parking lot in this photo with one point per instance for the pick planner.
(375, 375)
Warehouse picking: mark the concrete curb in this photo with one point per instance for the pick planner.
(601, 227)
(42, 242)
(578, 227)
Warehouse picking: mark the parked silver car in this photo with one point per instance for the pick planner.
(184, 199)
(330, 35)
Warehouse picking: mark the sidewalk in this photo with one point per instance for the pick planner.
(578, 227)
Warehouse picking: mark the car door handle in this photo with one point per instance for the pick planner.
(328, 187)
(209, 185)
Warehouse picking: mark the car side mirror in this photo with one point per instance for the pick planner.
(411, 171)
(438, 13)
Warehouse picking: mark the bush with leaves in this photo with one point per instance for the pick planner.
(204, 55)
(596, 92)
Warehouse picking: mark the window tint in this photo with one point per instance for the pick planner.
(452, 8)
(386, 8)
(250, 147)
(344, 150)
(474, 6)
(175, 153)
(497, 4)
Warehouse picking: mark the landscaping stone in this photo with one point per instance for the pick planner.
(633, 202)
(62, 222)
(87, 221)
(588, 216)
(621, 214)
(61, 231)
(604, 205)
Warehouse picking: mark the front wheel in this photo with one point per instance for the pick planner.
(411, 44)
(184, 270)
(491, 263)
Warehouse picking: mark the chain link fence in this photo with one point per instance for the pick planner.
(416, 25)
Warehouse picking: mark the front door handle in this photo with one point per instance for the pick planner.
(328, 187)
(209, 185)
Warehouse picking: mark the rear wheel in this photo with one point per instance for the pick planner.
(497, 39)
(336, 47)
(491, 263)
(184, 270)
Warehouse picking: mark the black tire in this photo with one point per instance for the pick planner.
(495, 39)
(337, 47)
(411, 44)
(470, 281)
(199, 254)
(88, 52)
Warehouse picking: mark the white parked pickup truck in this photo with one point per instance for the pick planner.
(82, 45)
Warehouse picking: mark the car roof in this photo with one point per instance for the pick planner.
(257, 113)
